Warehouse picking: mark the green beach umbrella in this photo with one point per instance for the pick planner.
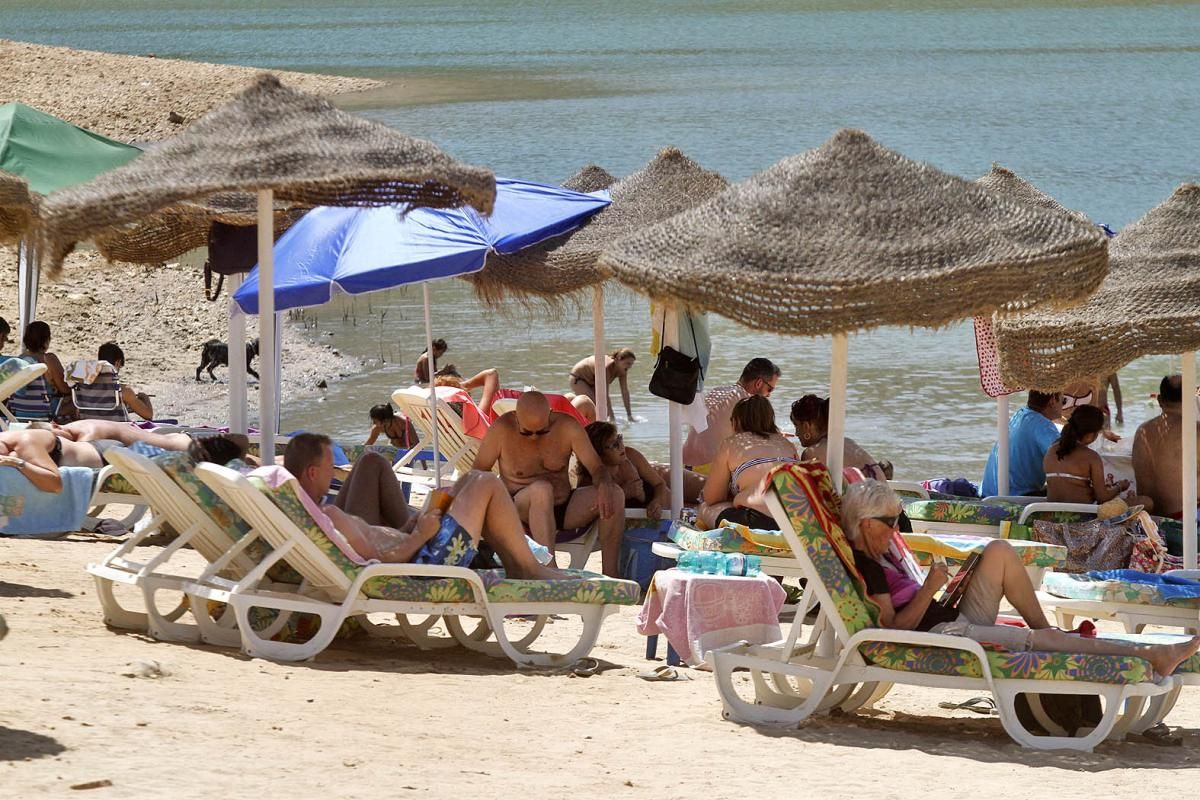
(46, 154)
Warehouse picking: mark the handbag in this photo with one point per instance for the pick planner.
(232, 250)
(676, 376)
(1092, 545)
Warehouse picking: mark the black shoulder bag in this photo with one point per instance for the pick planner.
(676, 375)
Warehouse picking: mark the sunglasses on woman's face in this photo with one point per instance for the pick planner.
(1071, 400)
(542, 432)
(891, 522)
(615, 444)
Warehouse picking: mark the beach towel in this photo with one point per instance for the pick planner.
(1169, 587)
(46, 512)
(558, 402)
(86, 370)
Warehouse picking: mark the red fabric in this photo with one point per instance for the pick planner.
(558, 403)
(475, 423)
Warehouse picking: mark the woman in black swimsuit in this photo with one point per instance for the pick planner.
(643, 486)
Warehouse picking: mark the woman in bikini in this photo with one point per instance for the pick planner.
(616, 367)
(385, 422)
(1074, 471)
(642, 484)
(810, 417)
(743, 460)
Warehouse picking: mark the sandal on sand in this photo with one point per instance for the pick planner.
(585, 667)
(664, 672)
(980, 705)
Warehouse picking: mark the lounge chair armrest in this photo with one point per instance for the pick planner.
(1034, 508)
(422, 571)
(911, 487)
(922, 639)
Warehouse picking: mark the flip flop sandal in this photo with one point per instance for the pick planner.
(980, 705)
(585, 668)
(663, 672)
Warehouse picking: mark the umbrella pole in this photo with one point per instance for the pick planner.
(266, 325)
(437, 464)
(1189, 460)
(28, 274)
(237, 364)
(601, 373)
(674, 419)
(1002, 445)
(835, 454)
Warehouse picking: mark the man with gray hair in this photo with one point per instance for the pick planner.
(760, 376)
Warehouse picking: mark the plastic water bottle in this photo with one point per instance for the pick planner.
(712, 563)
(540, 552)
(741, 564)
(688, 561)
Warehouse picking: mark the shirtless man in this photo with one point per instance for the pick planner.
(760, 376)
(370, 512)
(533, 447)
(1158, 452)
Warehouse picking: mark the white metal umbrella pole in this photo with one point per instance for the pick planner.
(1002, 445)
(437, 466)
(600, 379)
(237, 364)
(675, 419)
(267, 390)
(1188, 373)
(28, 275)
(835, 455)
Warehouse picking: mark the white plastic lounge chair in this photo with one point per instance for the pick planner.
(846, 661)
(1133, 605)
(228, 548)
(337, 588)
(15, 374)
(113, 489)
(458, 449)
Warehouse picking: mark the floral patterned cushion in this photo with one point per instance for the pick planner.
(1003, 664)
(355, 451)
(583, 587)
(9, 367)
(11, 506)
(957, 547)
(731, 538)
(964, 511)
(116, 483)
(1081, 586)
(806, 493)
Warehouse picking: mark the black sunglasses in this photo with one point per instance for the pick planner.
(891, 522)
(542, 432)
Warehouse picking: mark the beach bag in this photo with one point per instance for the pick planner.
(676, 376)
(232, 249)
(1091, 545)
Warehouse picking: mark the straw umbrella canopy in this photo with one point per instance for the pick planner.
(16, 208)
(283, 144)
(670, 183)
(270, 137)
(176, 229)
(1148, 305)
(1005, 182)
(851, 236)
(591, 178)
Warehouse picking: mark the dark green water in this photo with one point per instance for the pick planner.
(1096, 103)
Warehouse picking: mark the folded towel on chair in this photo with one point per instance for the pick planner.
(45, 512)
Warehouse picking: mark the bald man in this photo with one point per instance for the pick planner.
(533, 447)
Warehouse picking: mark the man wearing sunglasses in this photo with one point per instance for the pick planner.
(760, 376)
(533, 447)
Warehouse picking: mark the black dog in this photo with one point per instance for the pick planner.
(215, 353)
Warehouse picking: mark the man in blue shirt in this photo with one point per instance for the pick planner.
(1031, 431)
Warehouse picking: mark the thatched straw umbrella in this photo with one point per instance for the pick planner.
(174, 230)
(16, 208)
(852, 236)
(591, 178)
(1007, 183)
(279, 142)
(1148, 305)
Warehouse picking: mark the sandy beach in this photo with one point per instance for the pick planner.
(369, 719)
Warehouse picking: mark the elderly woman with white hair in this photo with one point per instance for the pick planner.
(870, 515)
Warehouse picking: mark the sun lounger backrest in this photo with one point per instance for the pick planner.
(453, 443)
(287, 498)
(805, 495)
(14, 374)
(100, 399)
(269, 521)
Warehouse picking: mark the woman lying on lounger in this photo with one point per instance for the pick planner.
(870, 513)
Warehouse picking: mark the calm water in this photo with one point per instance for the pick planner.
(1095, 102)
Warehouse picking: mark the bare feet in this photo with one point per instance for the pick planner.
(1166, 658)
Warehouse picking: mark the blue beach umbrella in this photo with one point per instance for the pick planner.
(360, 250)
